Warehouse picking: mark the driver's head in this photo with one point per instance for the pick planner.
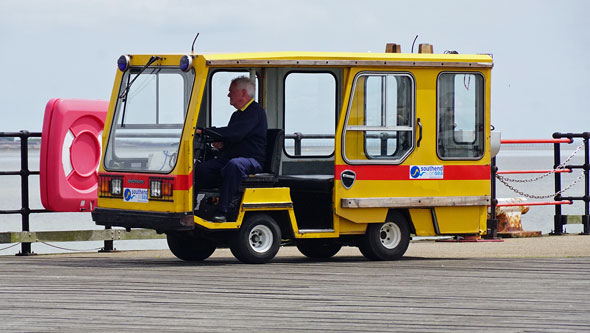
(241, 91)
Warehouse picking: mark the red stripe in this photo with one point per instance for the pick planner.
(181, 182)
(402, 172)
(184, 182)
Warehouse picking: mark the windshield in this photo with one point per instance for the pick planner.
(148, 121)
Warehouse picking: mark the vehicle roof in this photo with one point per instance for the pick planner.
(291, 55)
(349, 59)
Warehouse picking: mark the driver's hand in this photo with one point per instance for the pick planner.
(217, 145)
(199, 131)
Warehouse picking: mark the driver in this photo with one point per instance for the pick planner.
(242, 147)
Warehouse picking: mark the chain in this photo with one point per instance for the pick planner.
(74, 250)
(530, 180)
(6, 248)
(532, 196)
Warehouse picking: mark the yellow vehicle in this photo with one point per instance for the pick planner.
(364, 149)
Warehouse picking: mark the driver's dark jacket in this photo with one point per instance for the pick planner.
(245, 134)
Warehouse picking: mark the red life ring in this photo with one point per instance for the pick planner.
(70, 153)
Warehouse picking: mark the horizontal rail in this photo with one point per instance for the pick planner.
(582, 198)
(309, 136)
(584, 135)
(20, 134)
(16, 173)
(518, 141)
(19, 211)
(509, 172)
(77, 235)
(545, 203)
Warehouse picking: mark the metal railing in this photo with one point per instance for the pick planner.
(24, 174)
(26, 236)
(297, 137)
(559, 167)
(559, 219)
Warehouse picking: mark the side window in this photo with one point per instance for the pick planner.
(310, 114)
(221, 110)
(460, 116)
(380, 118)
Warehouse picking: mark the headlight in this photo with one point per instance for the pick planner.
(116, 186)
(156, 188)
(161, 188)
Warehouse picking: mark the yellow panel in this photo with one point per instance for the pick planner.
(415, 188)
(267, 195)
(422, 220)
(348, 227)
(363, 215)
(459, 220)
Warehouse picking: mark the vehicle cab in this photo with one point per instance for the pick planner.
(363, 149)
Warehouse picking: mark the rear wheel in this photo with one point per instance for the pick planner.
(188, 247)
(318, 248)
(386, 241)
(258, 240)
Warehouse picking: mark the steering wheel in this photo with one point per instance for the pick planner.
(203, 148)
(210, 135)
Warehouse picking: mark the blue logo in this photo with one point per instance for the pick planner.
(427, 172)
(415, 172)
(127, 195)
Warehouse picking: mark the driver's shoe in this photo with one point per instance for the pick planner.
(219, 218)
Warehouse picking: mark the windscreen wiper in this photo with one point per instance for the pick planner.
(126, 91)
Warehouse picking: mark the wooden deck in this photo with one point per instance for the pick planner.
(111, 292)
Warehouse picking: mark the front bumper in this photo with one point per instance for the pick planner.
(158, 221)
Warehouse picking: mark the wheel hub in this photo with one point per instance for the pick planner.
(261, 238)
(390, 235)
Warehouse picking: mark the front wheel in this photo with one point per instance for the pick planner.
(187, 247)
(386, 241)
(258, 240)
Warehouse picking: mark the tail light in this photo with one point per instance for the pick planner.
(161, 188)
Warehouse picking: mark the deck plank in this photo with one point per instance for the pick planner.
(348, 293)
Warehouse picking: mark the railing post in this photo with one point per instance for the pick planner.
(557, 218)
(492, 227)
(586, 217)
(24, 185)
(298, 136)
(108, 244)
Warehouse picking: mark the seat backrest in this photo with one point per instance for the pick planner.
(274, 149)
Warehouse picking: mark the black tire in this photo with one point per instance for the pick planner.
(318, 248)
(258, 240)
(386, 241)
(187, 247)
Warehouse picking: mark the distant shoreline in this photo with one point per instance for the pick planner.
(11, 146)
(16, 145)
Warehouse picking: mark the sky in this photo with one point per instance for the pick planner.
(69, 49)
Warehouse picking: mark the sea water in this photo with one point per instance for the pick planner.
(510, 158)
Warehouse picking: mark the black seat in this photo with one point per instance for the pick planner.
(270, 169)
